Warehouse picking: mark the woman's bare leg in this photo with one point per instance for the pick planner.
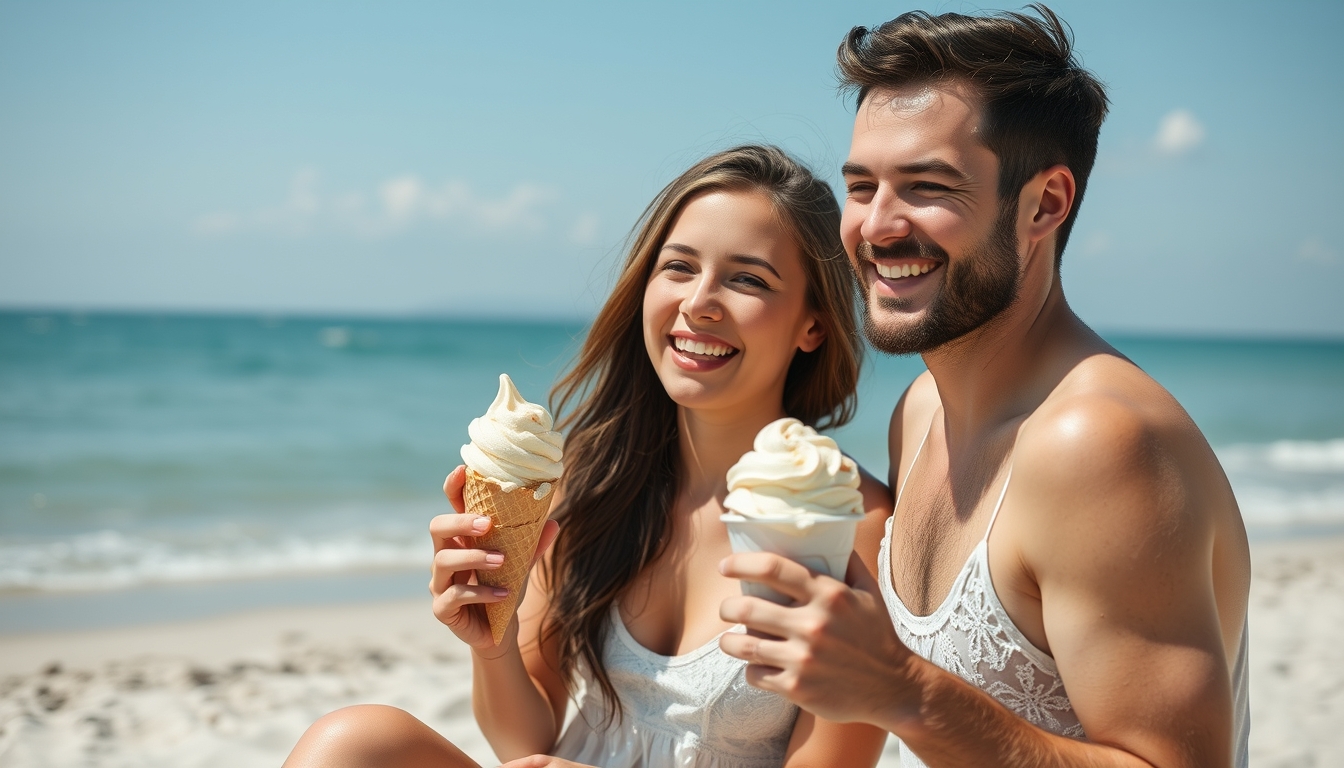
(371, 735)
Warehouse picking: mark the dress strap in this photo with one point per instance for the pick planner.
(995, 514)
(911, 471)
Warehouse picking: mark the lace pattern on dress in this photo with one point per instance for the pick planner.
(690, 711)
(972, 636)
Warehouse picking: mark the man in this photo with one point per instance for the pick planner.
(1066, 569)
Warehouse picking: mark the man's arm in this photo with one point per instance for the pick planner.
(1122, 562)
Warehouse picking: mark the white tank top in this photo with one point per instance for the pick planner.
(695, 710)
(972, 636)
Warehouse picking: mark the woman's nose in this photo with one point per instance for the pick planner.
(702, 302)
(886, 219)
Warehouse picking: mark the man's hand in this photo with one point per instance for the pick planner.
(834, 653)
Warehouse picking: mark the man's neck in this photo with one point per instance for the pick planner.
(1006, 368)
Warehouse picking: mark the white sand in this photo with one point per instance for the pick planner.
(237, 691)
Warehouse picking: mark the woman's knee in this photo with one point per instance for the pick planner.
(361, 735)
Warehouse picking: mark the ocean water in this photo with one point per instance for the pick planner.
(138, 452)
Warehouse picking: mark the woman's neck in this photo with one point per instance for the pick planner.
(711, 443)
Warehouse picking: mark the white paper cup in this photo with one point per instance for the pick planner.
(823, 546)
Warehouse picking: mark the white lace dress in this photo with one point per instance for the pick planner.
(690, 711)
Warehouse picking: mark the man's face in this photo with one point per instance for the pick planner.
(934, 252)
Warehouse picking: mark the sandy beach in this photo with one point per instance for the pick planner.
(238, 690)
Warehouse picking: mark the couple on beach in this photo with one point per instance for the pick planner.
(1062, 575)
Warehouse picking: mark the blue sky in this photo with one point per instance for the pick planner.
(489, 159)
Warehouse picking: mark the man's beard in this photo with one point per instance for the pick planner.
(976, 289)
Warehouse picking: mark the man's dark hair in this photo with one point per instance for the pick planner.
(1041, 108)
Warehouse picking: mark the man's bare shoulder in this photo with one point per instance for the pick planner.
(909, 420)
(1112, 453)
(915, 408)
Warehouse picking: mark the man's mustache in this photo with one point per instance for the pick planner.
(901, 249)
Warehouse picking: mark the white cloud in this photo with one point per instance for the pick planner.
(401, 197)
(1178, 133)
(1314, 250)
(398, 203)
(584, 231)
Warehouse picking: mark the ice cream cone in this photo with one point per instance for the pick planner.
(518, 518)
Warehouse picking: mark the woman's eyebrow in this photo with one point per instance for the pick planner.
(742, 258)
(679, 248)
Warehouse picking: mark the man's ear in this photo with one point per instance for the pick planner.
(813, 335)
(1047, 200)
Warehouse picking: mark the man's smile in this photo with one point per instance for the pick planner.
(905, 268)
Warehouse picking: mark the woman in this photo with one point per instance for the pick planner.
(734, 308)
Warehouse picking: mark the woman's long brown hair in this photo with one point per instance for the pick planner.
(621, 453)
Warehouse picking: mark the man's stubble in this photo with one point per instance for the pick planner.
(976, 289)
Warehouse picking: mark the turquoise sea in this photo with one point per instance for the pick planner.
(156, 466)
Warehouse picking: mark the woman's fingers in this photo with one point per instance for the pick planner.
(457, 609)
(443, 529)
(452, 488)
(449, 563)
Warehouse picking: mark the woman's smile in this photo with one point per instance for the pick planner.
(700, 352)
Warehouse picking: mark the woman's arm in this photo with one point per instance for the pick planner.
(518, 703)
(517, 696)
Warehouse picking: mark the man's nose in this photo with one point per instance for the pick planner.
(702, 303)
(886, 219)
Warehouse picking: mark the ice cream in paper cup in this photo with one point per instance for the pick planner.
(796, 495)
(513, 462)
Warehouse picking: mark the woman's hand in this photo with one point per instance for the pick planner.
(458, 599)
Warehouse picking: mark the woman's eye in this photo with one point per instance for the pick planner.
(677, 266)
(752, 281)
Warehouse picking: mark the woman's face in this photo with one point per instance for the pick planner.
(725, 307)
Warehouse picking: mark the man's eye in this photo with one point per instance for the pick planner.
(929, 186)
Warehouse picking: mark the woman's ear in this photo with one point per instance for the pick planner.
(814, 333)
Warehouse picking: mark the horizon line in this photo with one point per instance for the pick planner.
(1174, 334)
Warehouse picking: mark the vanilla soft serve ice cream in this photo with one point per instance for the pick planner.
(796, 474)
(796, 495)
(514, 443)
(513, 462)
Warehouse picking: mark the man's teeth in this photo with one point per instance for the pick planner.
(905, 270)
(701, 348)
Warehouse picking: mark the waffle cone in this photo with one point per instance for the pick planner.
(518, 519)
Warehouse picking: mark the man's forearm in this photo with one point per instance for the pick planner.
(956, 724)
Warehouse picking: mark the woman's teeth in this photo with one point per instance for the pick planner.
(905, 270)
(701, 348)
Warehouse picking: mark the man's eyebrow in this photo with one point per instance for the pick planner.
(854, 169)
(940, 167)
(742, 258)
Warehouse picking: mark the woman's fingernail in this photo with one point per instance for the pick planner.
(494, 558)
(480, 524)
(500, 592)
